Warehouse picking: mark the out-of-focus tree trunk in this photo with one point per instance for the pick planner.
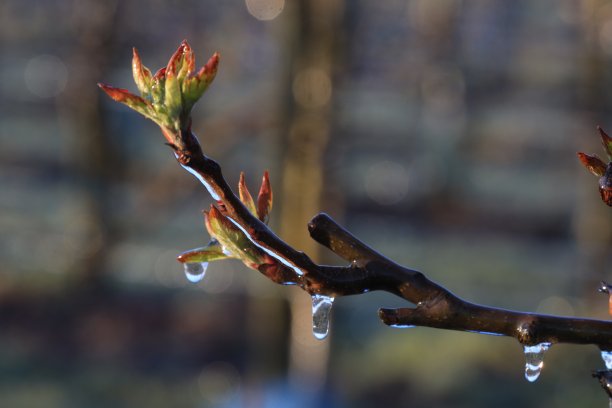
(316, 27)
(93, 24)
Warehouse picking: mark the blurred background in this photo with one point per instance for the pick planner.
(442, 133)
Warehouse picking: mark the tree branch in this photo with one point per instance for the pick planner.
(369, 270)
(240, 232)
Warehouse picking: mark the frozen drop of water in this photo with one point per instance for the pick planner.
(606, 355)
(195, 271)
(534, 360)
(321, 308)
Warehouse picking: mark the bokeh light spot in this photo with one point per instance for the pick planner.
(265, 9)
(387, 182)
(46, 76)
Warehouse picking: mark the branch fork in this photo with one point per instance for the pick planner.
(238, 228)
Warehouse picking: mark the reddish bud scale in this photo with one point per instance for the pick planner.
(245, 195)
(264, 198)
(182, 258)
(209, 70)
(212, 64)
(593, 164)
(120, 94)
(160, 74)
(174, 60)
(606, 141)
(137, 65)
(215, 214)
(189, 59)
(136, 57)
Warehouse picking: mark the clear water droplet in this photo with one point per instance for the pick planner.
(195, 271)
(534, 360)
(321, 308)
(606, 355)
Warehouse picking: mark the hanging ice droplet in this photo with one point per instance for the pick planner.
(534, 360)
(321, 309)
(606, 355)
(195, 271)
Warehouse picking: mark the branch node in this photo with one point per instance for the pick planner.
(526, 333)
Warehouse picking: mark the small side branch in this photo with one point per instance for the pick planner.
(437, 307)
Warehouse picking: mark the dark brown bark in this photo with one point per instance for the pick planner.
(368, 270)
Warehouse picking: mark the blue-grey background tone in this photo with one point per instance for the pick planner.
(447, 133)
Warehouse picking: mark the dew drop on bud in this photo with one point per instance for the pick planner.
(195, 271)
(321, 309)
(534, 360)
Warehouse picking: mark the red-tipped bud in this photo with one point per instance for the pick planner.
(160, 74)
(593, 164)
(212, 64)
(124, 96)
(170, 94)
(175, 60)
(142, 75)
(188, 65)
(264, 198)
(117, 94)
(606, 141)
(245, 195)
(207, 73)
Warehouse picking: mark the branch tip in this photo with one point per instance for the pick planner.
(399, 318)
